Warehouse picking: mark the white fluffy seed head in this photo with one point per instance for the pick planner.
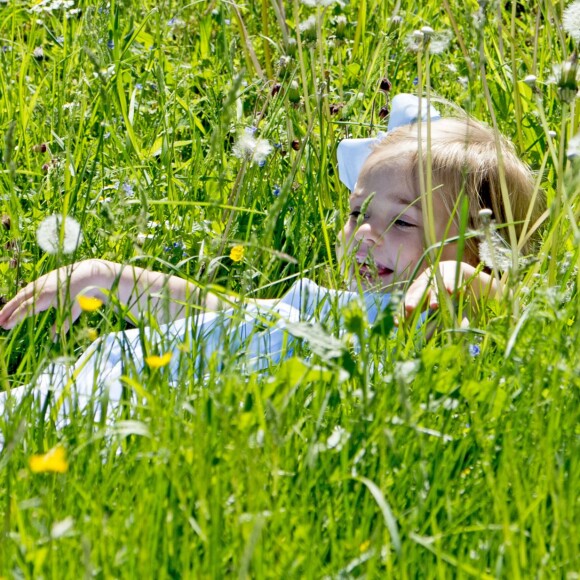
(493, 252)
(571, 20)
(252, 149)
(59, 234)
(573, 150)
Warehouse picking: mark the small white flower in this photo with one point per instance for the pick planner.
(57, 233)
(405, 371)
(571, 20)
(51, 6)
(338, 438)
(252, 149)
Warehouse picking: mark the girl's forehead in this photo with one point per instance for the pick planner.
(387, 173)
(387, 160)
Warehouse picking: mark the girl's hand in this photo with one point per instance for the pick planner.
(139, 290)
(455, 277)
(57, 288)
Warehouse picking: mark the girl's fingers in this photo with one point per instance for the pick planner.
(20, 310)
(12, 305)
(30, 300)
(418, 293)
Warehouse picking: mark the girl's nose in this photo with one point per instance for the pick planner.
(366, 233)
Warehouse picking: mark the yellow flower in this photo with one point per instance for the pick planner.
(237, 253)
(156, 362)
(89, 303)
(53, 461)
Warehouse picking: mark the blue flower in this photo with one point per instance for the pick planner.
(474, 350)
(139, 86)
(416, 81)
(276, 190)
(110, 44)
(128, 189)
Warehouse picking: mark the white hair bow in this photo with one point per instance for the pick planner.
(352, 153)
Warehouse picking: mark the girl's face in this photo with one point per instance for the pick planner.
(387, 242)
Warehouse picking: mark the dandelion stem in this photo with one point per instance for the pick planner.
(301, 62)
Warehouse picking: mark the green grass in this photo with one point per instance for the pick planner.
(448, 464)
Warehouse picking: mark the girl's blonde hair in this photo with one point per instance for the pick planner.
(466, 159)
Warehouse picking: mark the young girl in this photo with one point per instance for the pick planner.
(382, 244)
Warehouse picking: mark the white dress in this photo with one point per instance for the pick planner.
(258, 336)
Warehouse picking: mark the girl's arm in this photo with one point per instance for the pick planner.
(455, 277)
(142, 291)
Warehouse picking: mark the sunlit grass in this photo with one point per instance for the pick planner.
(453, 457)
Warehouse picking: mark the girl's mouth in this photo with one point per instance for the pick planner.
(372, 271)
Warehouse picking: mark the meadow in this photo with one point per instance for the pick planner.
(453, 457)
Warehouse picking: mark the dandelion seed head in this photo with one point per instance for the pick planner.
(252, 149)
(414, 41)
(308, 28)
(573, 150)
(571, 20)
(261, 151)
(493, 252)
(440, 42)
(57, 233)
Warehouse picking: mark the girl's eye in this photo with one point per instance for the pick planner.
(403, 224)
(355, 213)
